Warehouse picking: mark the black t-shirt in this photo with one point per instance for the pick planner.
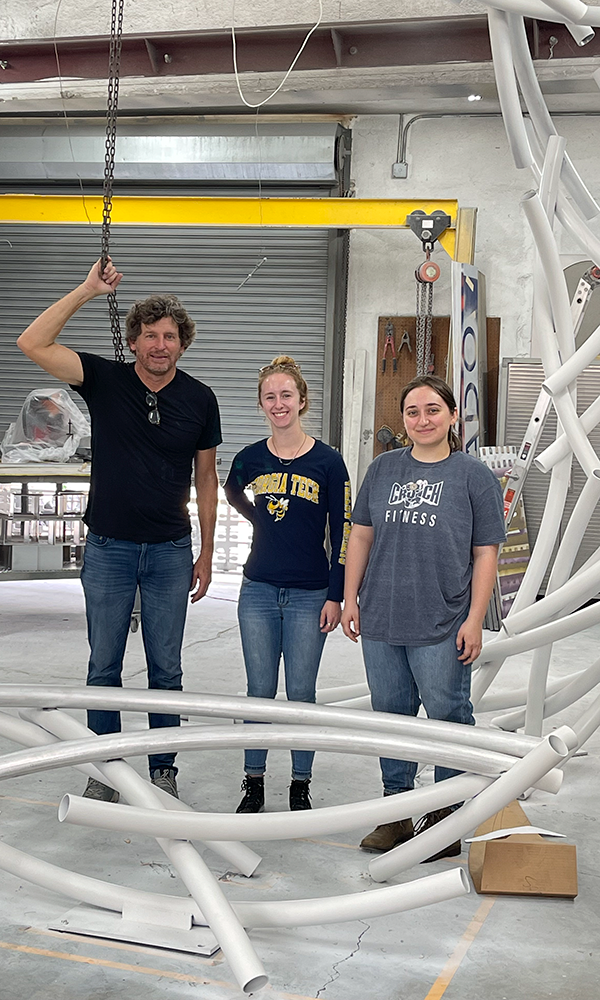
(141, 472)
(294, 502)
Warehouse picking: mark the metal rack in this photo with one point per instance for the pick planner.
(42, 533)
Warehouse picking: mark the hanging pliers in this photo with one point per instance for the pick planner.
(389, 342)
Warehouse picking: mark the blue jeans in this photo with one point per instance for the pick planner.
(112, 572)
(275, 621)
(401, 677)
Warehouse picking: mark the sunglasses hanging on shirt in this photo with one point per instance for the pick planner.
(152, 402)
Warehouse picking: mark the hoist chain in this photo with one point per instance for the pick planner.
(424, 316)
(112, 104)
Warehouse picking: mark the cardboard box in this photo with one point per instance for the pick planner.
(522, 864)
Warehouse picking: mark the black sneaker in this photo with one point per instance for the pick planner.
(102, 793)
(254, 799)
(429, 820)
(165, 778)
(299, 794)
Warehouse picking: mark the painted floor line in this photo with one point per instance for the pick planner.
(181, 977)
(452, 965)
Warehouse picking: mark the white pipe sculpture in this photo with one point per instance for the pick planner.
(560, 197)
(498, 765)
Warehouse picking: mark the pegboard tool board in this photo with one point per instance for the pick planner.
(389, 382)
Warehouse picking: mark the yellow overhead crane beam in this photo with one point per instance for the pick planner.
(320, 213)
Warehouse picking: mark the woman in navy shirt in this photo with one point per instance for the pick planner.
(291, 591)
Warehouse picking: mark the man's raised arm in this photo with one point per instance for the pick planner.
(38, 341)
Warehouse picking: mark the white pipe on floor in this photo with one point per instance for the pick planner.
(117, 745)
(356, 905)
(271, 826)
(326, 696)
(192, 870)
(58, 724)
(509, 786)
(259, 710)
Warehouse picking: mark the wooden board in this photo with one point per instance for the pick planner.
(390, 383)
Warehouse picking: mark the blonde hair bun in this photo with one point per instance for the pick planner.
(284, 359)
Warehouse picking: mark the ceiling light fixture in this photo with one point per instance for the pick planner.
(474, 97)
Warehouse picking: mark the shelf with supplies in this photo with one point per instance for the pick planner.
(42, 534)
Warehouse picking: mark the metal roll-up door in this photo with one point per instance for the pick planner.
(285, 307)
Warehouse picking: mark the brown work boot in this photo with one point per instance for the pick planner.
(429, 820)
(388, 835)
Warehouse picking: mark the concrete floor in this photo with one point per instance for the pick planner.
(498, 948)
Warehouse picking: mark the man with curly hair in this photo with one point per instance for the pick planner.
(151, 423)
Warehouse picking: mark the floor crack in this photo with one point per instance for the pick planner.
(335, 966)
(212, 638)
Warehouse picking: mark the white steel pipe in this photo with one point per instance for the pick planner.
(543, 11)
(270, 826)
(60, 725)
(574, 592)
(574, 365)
(506, 86)
(536, 691)
(192, 870)
(326, 696)
(550, 632)
(549, 181)
(256, 709)
(560, 448)
(283, 913)
(356, 905)
(572, 689)
(581, 33)
(547, 755)
(119, 745)
(516, 698)
(575, 225)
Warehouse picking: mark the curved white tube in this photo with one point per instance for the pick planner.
(362, 703)
(484, 674)
(588, 722)
(549, 180)
(547, 755)
(544, 12)
(256, 709)
(553, 272)
(356, 905)
(270, 826)
(575, 10)
(574, 365)
(536, 691)
(119, 745)
(326, 696)
(581, 33)
(516, 698)
(60, 725)
(573, 688)
(560, 448)
(570, 220)
(193, 871)
(550, 632)
(285, 913)
(506, 85)
(574, 592)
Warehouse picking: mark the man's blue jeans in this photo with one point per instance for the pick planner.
(112, 572)
(275, 621)
(401, 677)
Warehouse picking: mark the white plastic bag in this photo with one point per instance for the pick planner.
(48, 429)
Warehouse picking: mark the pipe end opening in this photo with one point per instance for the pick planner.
(253, 985)
(63, 808)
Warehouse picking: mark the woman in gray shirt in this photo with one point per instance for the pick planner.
(420, 569)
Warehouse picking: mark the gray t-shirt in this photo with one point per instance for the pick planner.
(426, 519)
